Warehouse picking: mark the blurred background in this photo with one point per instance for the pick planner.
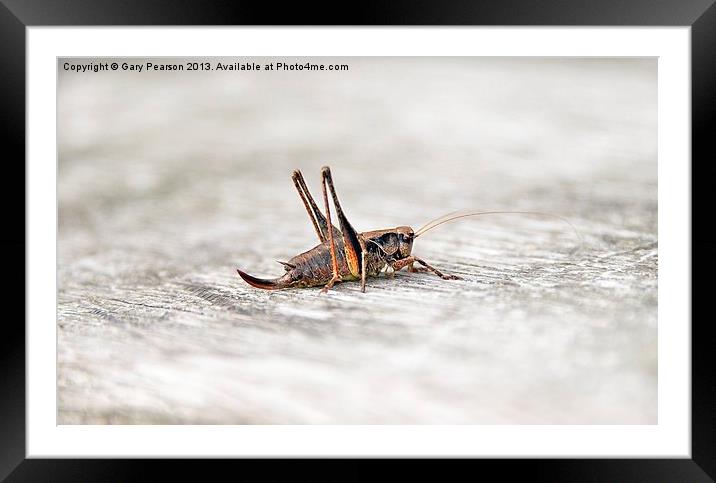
(169, 181)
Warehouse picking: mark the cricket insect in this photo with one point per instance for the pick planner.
(344, 254)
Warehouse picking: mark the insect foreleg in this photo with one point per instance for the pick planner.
(390, 274)
(408, 261)
(317, 218)
(413, 269)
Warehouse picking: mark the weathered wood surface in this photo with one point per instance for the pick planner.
(169, 182)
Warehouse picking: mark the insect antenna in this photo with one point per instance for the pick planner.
(455, 215)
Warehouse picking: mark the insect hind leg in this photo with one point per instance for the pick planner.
(352, 244)
(317, 218)
(331, 243)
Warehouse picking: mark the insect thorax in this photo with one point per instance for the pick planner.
(384, 248)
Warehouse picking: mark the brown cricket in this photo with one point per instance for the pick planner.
(346, 254)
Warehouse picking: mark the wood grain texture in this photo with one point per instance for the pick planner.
(167, 182)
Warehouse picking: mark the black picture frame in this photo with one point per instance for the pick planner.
(16, 15)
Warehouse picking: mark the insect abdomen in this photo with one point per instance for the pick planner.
(315, 267)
